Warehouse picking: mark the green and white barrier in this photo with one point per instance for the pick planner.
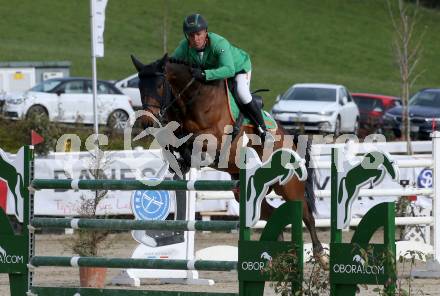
(17, 249)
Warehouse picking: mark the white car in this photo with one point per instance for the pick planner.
(70, 100)
(327, 108)
(129, 86)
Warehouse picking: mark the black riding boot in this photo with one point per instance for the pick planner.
(254, 114)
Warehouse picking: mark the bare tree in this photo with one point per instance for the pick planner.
(407, 46)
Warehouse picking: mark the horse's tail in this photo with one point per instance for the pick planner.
(310, 181)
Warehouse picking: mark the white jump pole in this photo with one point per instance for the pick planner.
(436, 189)
(433, 266)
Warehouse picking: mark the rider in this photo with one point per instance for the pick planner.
(221, 60)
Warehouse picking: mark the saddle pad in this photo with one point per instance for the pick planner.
(235, 111)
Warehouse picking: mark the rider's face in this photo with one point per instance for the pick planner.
(197, 40)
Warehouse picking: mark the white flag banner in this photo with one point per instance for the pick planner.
(98, 13)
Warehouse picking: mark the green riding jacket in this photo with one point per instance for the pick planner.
(220, 59)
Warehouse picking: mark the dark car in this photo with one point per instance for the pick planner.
(372, 108)
(424, 114)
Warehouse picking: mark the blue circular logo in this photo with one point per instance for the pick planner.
(424, 180)
(150, 204)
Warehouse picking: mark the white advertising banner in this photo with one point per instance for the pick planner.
(116, 165)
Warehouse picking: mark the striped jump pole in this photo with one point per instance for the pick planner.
(121, 224)
(202, 185)
(74, 261)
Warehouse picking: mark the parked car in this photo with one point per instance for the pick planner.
(129, 86)
(327, 108)
(424, 114)
(70, 100)
(372, 107)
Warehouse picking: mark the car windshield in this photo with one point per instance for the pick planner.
(367, 103)
(310, 94)
(426, 99)
(46, 86)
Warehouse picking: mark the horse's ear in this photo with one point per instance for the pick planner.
(137, 64)
(163, 61)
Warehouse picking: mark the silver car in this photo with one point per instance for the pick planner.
(327, 108)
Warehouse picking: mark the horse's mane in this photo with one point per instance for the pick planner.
(182, 62)
(158, 66)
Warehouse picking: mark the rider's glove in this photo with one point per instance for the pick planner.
(198, 74)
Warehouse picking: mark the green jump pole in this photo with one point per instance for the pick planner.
(202, 185)
(123, 224)
(134, 263)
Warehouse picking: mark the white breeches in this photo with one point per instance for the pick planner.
(243, 87)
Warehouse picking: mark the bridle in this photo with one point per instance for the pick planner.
(168, 99)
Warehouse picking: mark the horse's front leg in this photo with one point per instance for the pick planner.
(184, 159)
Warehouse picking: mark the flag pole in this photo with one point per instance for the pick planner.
(94, 79)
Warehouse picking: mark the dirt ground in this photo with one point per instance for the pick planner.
(122, 245)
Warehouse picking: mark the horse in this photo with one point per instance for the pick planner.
(169, 92)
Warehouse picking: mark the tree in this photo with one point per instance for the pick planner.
(408, 48)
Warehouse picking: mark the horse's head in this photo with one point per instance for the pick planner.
(152, 87)
(183, 85)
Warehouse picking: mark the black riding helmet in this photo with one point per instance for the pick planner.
(194, 23)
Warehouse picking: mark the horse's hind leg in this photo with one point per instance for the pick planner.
(294, 190)
(318, 250)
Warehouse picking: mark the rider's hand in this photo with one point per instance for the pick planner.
(198, 74)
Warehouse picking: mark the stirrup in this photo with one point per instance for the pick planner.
(265, 135)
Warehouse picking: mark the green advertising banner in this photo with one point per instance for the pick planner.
(255, 256)
(13, 254)
(359, 264)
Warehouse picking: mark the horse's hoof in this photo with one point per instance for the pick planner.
(323, 259)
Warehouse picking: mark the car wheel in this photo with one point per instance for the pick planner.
(337, 131)
(356, 127)
(118, 120)
(37, 111)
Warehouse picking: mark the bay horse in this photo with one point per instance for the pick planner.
(169, 92)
